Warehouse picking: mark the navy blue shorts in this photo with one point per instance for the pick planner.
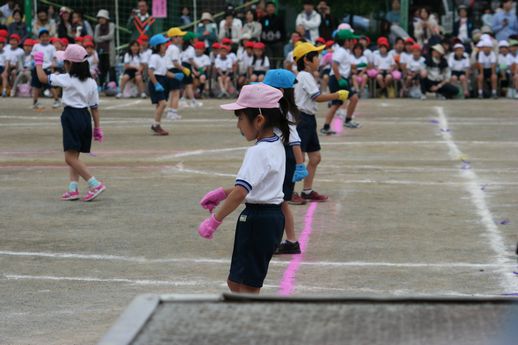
(187, 80)
(458, 74)
(333, 87)
(159, 96)
(259, 231)
(488, 72)
(130, 72)
(2, 69)
(288, 186)
(174, 84)
(77, 129)
(35, 82)
(307, 129)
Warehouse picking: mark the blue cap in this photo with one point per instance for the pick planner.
(43, 31)
(158, 39)
(280, 78)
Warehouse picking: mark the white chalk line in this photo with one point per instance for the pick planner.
(472, 184)
(199, 153)
(143, 260)
(123, 105)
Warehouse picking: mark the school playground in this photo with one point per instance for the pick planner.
(423, 202)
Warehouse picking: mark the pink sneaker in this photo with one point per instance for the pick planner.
(94, 192)
(70, 196)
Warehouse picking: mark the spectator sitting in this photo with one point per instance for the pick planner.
(230, 27)
(186, 16)
(65, 24)
(6, 11)
(327, 22)
(42, 22)
(436, 76)
(463, 26)
(80, 27)
(18, 27)
(207, 30)
(310, 20)
(252, 27)
(425, 27)
(504, 22)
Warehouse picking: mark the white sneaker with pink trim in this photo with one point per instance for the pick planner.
(70, 196)
(94, 192)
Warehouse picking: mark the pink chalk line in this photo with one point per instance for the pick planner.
(287, 285)
(337, 125)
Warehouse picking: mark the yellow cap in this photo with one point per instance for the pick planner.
(304, 48)
(172, 32)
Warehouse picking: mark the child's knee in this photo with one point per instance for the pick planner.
(315, 159)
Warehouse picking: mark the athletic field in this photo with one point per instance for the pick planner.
(423, 202)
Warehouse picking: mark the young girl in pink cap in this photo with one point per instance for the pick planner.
(79, 94)
(259, 183)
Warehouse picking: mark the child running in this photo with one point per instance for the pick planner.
(307, 94)
(295, 169)
(79, 94)
(259, 183)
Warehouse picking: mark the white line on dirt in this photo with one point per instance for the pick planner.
(122, 105)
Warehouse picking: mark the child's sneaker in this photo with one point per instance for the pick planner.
(159, 130)
(119, 95)
(351, 124)
(70, 196)
(94, 192)
(296, 200)
(327, 131)
(172, 115)
(314, 196)
(56, 104)
(4, 93)
(37, 106)
(288, 247)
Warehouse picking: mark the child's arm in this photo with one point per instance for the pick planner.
(38, 61)
(96, 117)
(327, 97)
(151, 74)
(297, 152)
(235, 197)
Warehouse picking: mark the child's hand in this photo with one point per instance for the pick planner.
(213, 198)
(38, 58)
(300, 173)
(343, 95)
(98, 134)
(208, 227)
(159, 87)
(186, 71)
(179, 76)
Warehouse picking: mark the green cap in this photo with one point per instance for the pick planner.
(189, 36)
(513, 42)
(346, 35)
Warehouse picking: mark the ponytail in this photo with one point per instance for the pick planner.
(288, 105)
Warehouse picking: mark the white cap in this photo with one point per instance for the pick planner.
(458, 45)
(484, 43)
(503, 43)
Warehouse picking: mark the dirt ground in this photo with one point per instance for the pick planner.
(422, 202)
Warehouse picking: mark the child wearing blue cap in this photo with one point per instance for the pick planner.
(296, 171)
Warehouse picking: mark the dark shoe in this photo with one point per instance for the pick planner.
(296, 200)
(327, 131)
(159, 130)
(287, 247)
(351, 124)
(314, 196)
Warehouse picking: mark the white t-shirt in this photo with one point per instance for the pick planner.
(188, 54)
(3, 58)
(76, 93)
(223, 65)
(146, 55)
(173, 54)
(505, 60)
(306, 90)
(233, 57)
(359, 60)
(262, 172)
(158, 64)
(261, 64)
(368, 54)
(245, 62)
(202, 61)
(294, 138)
(459, 65)
(414, 65)
(133, 61)
(14, 55)
(405, 57)
(48, 53)
(384, 63)
(27, 61)
(486, 61)
(342, 57)
(93, 60)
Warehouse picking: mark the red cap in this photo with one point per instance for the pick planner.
(367, 38)
(216, 45)
(79, 39)
(89, 44)
(259, 45)
(64, 41)
(249, 44)
(143, 38)
(227, 48)
(29, 42)
(15, 37)
(409, 40)
(88, 38)
(416, 46)
(226, 41)
(383, 41)
(330, 43)
(4, 33)
(320, 40)
(199, 45)
(54, 39)
(2, 39)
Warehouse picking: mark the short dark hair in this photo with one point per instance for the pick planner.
(80, 70)
(270, 3)
(301, 65)
(400, 39)
(42, 9)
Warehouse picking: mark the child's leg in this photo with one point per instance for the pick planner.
(363, 83)
(351, 107)
(388, 79)
(189, 93)
(289, 225)
(480, 82)
(253, 78)
(454, 80)
(174, 97)
(260, 78)
(324, 82)
(72, 159)
(464, 82)
(55, 93)
(140, 83)
(355, 82)
(124, 80)
(330, 114)
(160, 107)
(35, 94)
(381, 83)
(314, 159)
(494, 80)
(241, 288)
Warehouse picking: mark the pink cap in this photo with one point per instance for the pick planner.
(256, 96)
(75, 53)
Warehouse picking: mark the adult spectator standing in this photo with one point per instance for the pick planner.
(273, 34)
(6, 11)
(18, 26)
(328, 23)
(463, 26)
(141, 22)
(207, 30)
(504, 22)
(310, 20)
(65, 24)
(104, 39)
(80, 27)
(230, 27)
(393, 17)
(185, 18)
(252, 27)
(42, 21)
(425, 27)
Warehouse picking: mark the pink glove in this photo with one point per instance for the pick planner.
(212, 199)
(98, 134)
(38, 58)
(209, 226)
